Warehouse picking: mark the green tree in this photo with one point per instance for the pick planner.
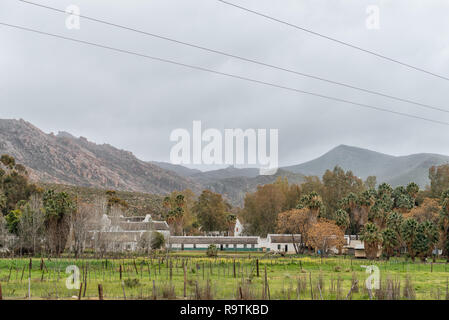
(371, 182)
(390, 242)
(57, 207)
(157, 240)
(426, 239)
(342, 219)
(337, 185)
(384, 189)
(211, 211)
(372, 239)
(8, 161)
(412, 190)
(409, 233)
(12, 221)
(313, 202)
(262, 208)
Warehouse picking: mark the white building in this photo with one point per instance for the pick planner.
(238, 243)
(238, 228)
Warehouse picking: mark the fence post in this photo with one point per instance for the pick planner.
(257, 265)
(185, 278)
(79, 293)
(100, 292)
(123, 288)
(1, 296)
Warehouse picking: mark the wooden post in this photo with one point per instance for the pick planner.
(311, 286)
(135, 266)
(79, 293)
(234, 268)
(123, 289)
(1, 296)
(185, 278)
(120, 272)
(85, 280)
(100, 292)
(257, 267)
(265, 284)
(154, 290)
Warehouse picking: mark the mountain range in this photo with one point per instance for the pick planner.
(65, 159)
(395, 170)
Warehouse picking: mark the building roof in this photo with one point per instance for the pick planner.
(160, 225)
(144, 226)
(135, 226)
(284, 238)
(118, 236)
(213, 240)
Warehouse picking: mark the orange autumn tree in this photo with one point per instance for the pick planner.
(428, 210)
(324, 235)
(296, 221)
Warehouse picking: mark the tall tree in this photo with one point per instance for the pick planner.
(372, 239)
(58, 209)
(325, 235)
(444, 223)
(409, 233)
(337, 185)
(371, 182)
(297, 221)
(262, 208)
(439, 180)
(211, 211)
(31, 225)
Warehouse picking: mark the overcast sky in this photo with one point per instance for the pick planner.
(134, 103)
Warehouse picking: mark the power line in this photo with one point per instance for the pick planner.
(335, 40)
(427, 106)
(225, 74)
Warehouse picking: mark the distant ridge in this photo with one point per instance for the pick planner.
(396, 170)
(65, 159)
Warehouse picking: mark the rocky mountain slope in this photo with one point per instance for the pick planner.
(65, 159)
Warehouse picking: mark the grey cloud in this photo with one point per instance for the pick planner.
(133, 103)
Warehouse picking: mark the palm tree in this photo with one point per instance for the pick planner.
(372, 239)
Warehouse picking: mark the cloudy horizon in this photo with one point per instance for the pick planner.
(134, 103)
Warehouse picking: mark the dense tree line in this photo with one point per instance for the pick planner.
(396, 220)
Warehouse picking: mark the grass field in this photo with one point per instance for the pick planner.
(229, 276)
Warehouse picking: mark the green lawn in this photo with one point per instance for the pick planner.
(287, 277)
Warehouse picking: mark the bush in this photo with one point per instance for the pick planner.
(212, 251)
(157, 240)
(131, 283)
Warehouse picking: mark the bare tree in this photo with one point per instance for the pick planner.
(31, 225)
(79, 223)
(99, 225)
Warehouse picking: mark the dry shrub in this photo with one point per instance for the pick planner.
(203, 292)
(301, 286)
(409, 290)
(244, 291)
(168, 291)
